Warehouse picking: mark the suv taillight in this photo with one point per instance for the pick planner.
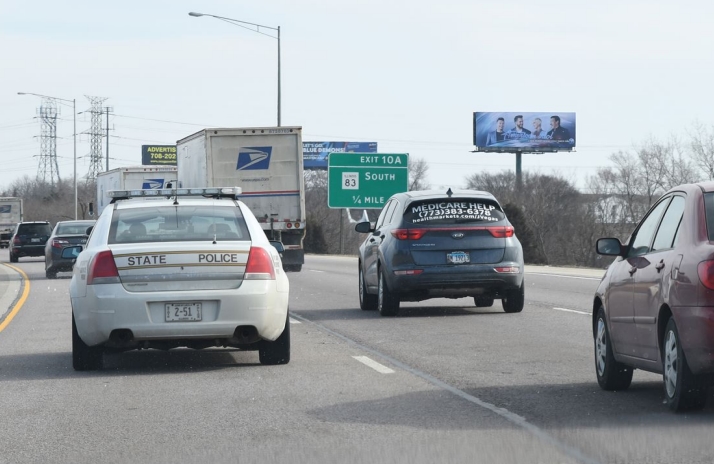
(408, 234)
(501, 231)
(259, 265)
(102, 269)
(705, 269)
(16, 240)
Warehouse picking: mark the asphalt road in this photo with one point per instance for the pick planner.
(443, 382)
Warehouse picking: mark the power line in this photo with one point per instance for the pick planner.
(166, 121)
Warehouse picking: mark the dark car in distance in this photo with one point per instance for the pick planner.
(440, 244)
(65, 233)
(29, 239)
(654, 309)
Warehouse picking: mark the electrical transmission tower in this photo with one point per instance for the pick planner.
(95, 132)
(48, 170)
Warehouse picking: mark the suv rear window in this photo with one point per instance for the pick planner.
(34, 229)
(177, 224)
(453, 210)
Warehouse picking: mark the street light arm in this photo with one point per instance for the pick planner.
(231, 19)
(45, 96)
(239, 23)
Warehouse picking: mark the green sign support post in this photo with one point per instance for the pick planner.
(365, 180)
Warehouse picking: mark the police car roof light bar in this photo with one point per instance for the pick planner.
(218, 192)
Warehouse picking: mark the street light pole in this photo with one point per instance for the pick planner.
(74, 115)
(236, 22)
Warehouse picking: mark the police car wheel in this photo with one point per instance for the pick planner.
(84, 358)
(278, 351)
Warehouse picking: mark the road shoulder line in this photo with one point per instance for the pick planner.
(14, 296)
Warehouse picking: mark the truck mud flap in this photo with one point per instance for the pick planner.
(293, 260)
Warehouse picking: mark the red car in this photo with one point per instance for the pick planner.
(654, 309)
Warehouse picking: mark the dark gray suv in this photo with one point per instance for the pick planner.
(436, 244)
(29, 239)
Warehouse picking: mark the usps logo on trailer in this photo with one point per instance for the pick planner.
(5, 209)
(153, 184)
(253, 158)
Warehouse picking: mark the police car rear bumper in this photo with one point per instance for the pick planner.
(110, 307)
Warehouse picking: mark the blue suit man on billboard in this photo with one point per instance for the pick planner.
(498, 134)
(557, 132)
(518, 132)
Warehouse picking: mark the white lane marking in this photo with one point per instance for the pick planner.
(294, 321)
(565, 276)
(573, 311)
(374, 365)
(514, 418)
(314, 270)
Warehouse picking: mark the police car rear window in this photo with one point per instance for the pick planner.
(177, 224)
(453, 211)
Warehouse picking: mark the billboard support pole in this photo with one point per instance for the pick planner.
(519, 178)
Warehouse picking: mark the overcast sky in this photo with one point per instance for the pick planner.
(408, 75)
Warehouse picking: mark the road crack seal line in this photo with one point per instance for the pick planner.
(504, 413)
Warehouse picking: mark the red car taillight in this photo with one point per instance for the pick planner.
(705, 269)
(103, 267)
(59, 243)
(408, 234)
(259, 265)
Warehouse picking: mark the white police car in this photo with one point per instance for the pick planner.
(184, 268)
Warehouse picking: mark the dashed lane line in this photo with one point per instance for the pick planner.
(382, 369)
(573, 311)
(512, 417)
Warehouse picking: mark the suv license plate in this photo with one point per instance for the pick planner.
(458, 257)
(35, 240)
(182, 312)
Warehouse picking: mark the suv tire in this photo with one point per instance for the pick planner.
(387, 301)
(483, 302)
(514, 300)
(367, 302)
(13, 257)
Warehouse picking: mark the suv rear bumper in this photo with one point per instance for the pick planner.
(454, 281)
(28, 250)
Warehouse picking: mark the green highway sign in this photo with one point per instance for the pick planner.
(365, 180)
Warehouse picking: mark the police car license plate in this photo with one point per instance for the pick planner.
(458, 257)
(183, 312)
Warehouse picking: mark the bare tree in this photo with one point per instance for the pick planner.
(702, 146)
(418, 169)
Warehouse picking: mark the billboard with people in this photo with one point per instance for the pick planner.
(315, 153)
(511, 132)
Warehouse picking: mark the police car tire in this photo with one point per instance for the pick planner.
(278, 351)
(84, 358)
